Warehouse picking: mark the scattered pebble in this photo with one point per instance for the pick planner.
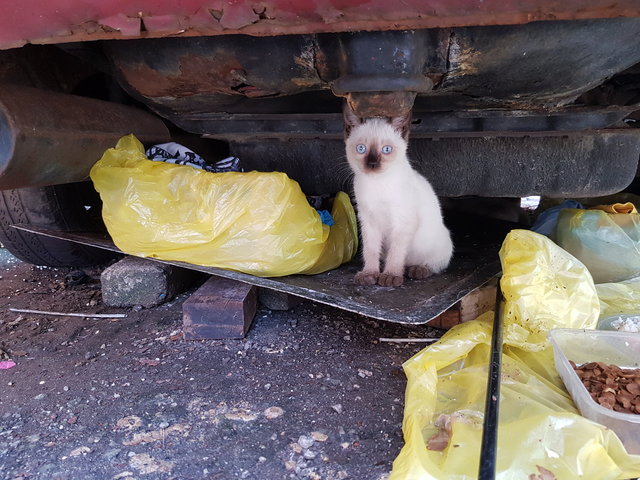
(337, 407)
(158, 435)
(305, 442)
(122, 476)
(319, 436)
(273, 412)
(145, 463)
(241, 414)
(129, 423)
(80, 451)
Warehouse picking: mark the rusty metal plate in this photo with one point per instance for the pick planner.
(416, 302)
(56, 21)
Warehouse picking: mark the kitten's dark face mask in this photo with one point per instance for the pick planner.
(372, 161)
(373, 147)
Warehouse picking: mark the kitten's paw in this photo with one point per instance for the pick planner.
(390, 280)
(418, 272)
(366, 278)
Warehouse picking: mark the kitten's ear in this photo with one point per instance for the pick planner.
(402, 125)
(351, 120)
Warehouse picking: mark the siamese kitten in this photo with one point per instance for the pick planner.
(399, 213)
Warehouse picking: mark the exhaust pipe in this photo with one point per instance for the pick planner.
(48, 138)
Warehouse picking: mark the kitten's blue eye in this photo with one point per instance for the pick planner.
(387, 149)
(360, 148)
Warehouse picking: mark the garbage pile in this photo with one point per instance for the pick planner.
(543, 432)
(175, 207)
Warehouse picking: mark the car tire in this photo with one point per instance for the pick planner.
(69, 207)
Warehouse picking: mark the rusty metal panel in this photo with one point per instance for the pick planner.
(56, 21)
(240, 66)
(499, 67)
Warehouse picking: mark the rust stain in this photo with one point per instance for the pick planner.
(195, 74)
(91, 27)
(381, 104)
(461, 59)
(305, 82)
(307, 61)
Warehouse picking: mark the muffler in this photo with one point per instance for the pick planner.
(48, 138)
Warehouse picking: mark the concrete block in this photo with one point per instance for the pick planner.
(138, 281)
(220, 308)
(275, 300)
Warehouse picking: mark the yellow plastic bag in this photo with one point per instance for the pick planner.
(619, 298)
(257, 223)
(544, 287)
(539, 427)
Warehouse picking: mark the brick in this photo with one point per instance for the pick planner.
(220, 308)
(274, 300)
(447, 319)
(137, 281)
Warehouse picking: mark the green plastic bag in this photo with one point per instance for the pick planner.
(607, 243)
(540, 430)
(257, 223)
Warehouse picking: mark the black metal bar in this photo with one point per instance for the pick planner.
(488, 450)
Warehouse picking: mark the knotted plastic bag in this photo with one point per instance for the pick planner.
(541, 434)
(255, 222)
(607, 243)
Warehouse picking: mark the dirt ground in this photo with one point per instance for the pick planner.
(310, 393)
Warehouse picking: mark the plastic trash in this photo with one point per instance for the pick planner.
(626, 207)
(547, 221)
(544, 287)
(180, 155)
(254, 222)
(540, 430)
(619, 298)
(608, 244)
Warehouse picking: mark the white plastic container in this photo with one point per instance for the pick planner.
(614, 348)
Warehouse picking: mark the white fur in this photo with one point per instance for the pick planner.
(398, 210)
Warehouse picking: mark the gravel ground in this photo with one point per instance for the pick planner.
(310, 393)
